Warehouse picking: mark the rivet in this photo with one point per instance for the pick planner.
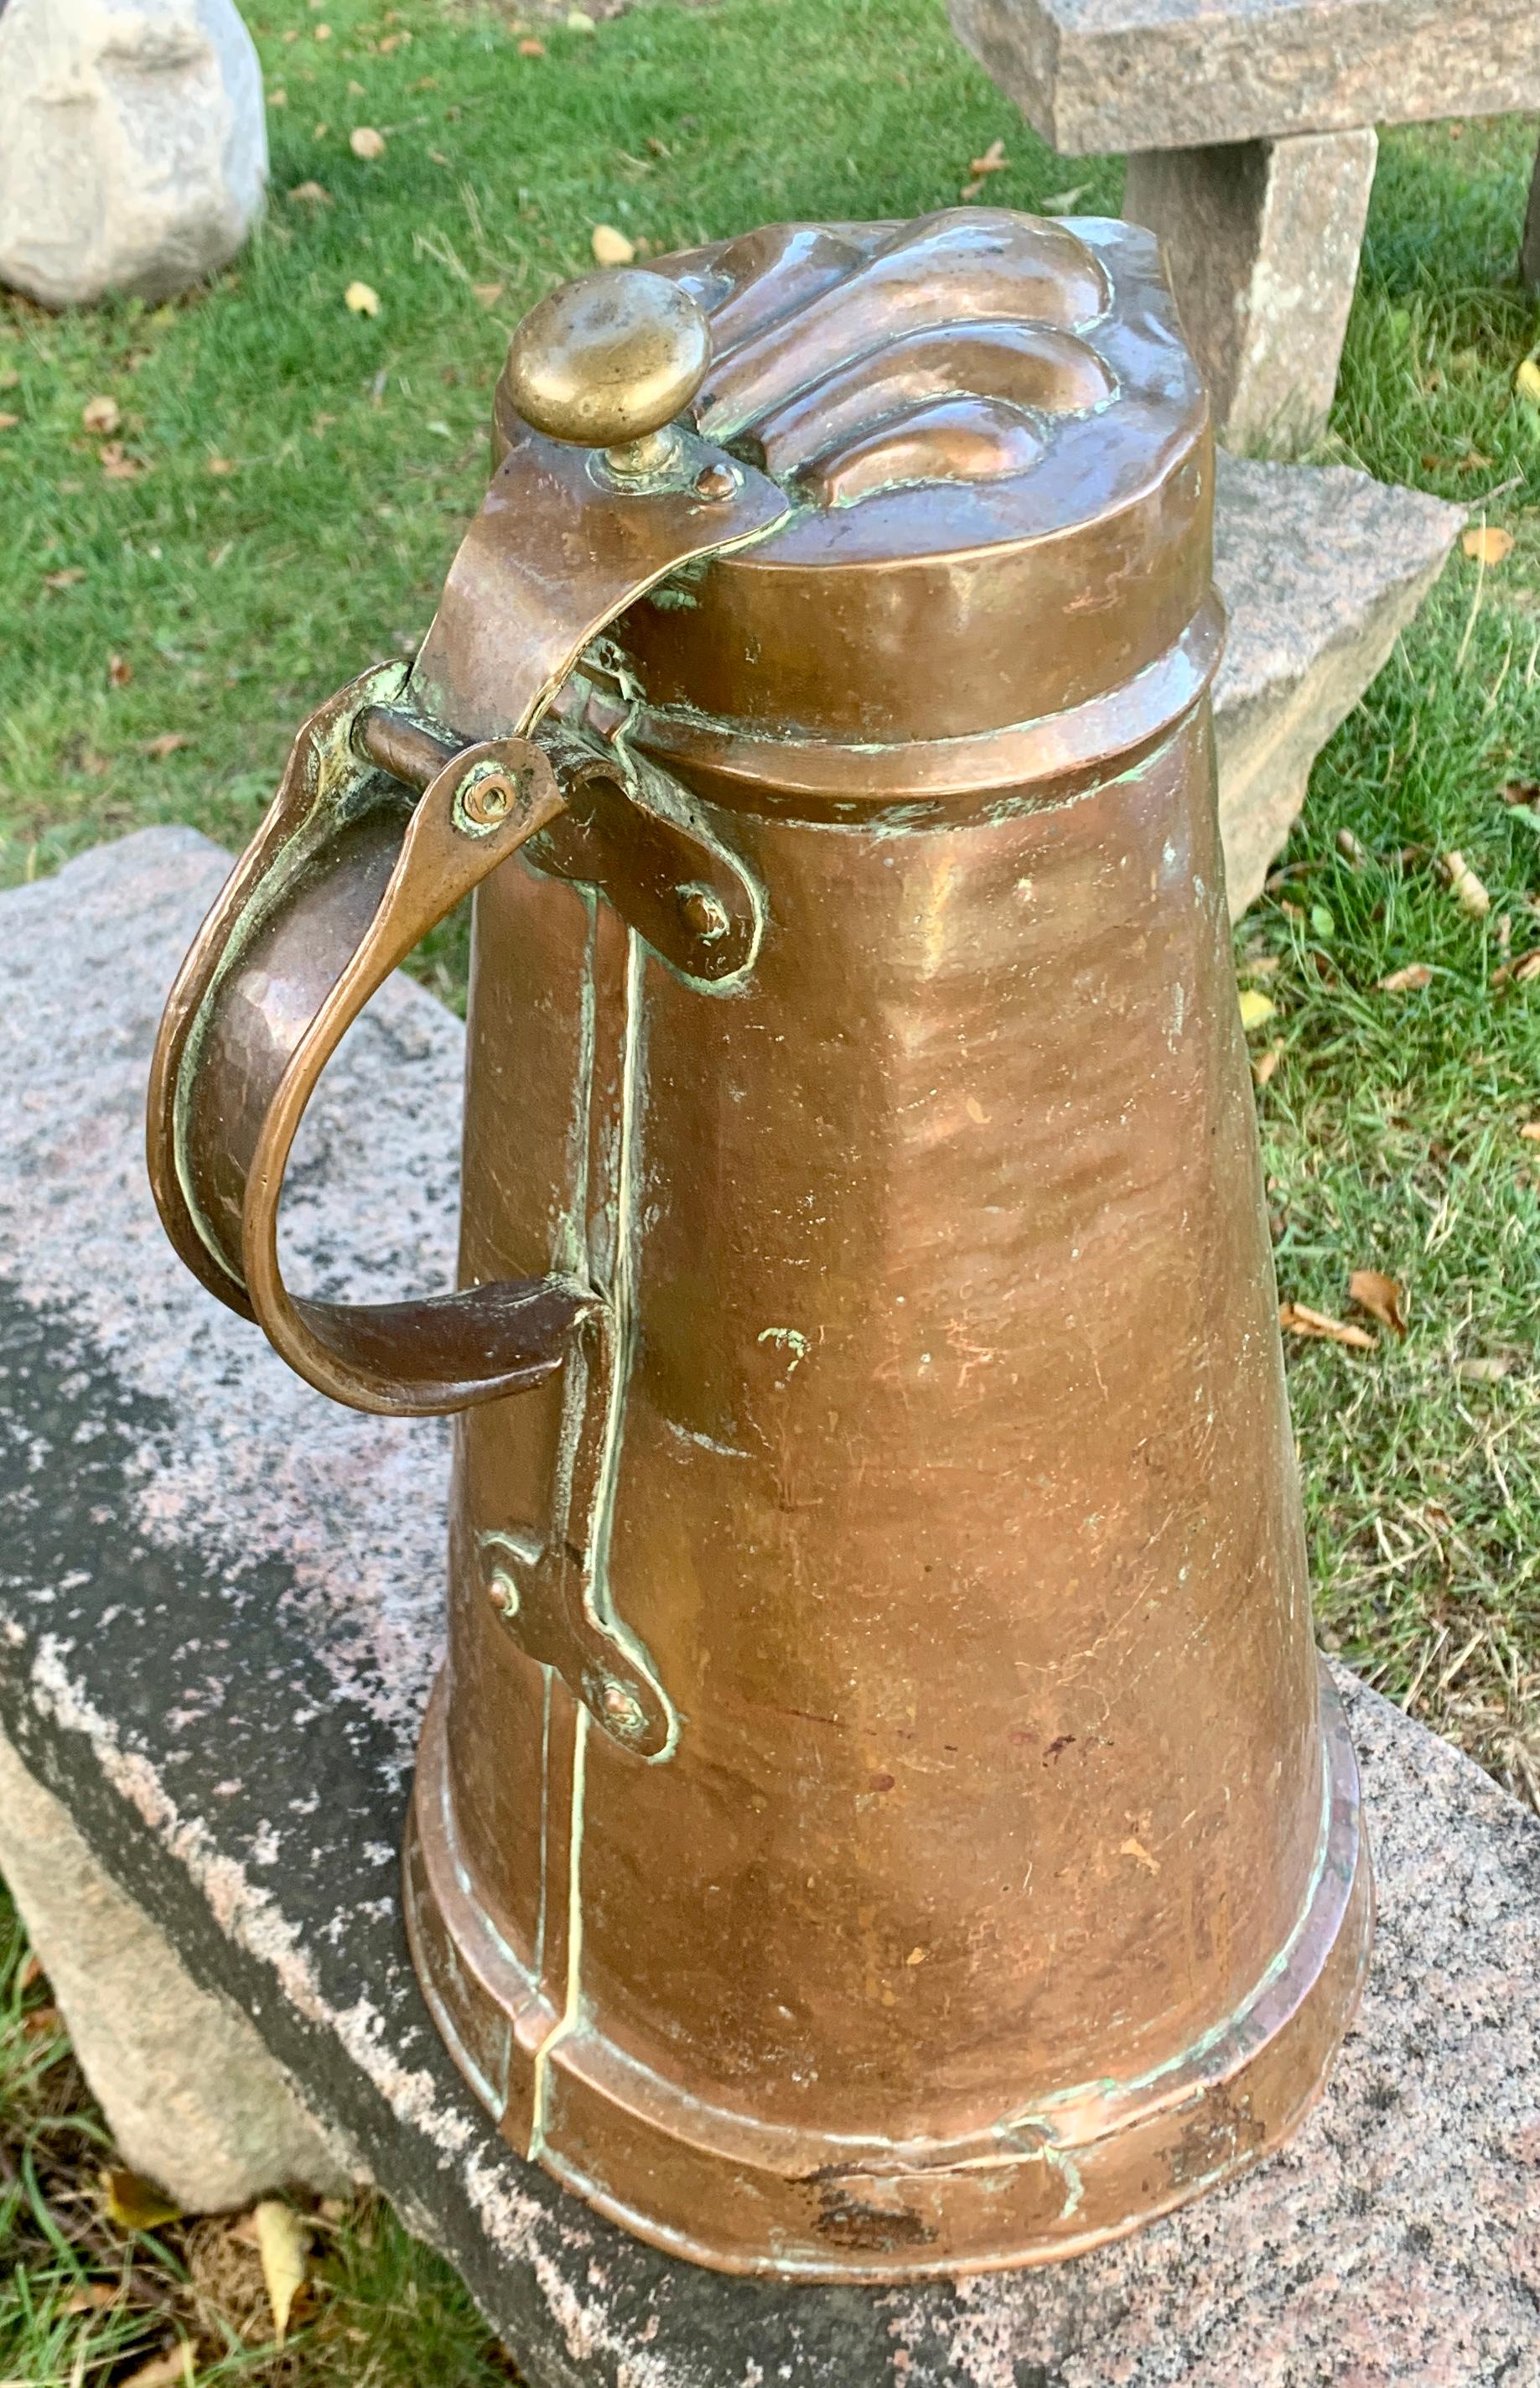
(714, 481)
(623, 1711)
(485, 803)
(704, 912)
(503, 1592)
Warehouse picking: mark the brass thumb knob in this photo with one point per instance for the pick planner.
(608, 362)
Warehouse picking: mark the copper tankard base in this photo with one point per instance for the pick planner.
(1035, 2185)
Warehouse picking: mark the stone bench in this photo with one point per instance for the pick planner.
(1249, 130)
(219, 1617)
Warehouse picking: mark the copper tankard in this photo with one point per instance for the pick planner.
(880, 1814)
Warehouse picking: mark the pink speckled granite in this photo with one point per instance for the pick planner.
(1172, 74)
(217, 1621)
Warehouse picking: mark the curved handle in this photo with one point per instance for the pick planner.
(383, 824)
(349, 870)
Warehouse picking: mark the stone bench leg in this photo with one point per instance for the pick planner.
(1532, 232)
(193, 2101)
(1262, 241)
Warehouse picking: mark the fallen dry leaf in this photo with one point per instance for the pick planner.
(1296, 1318)
(365, 142)
(1353, 847)
(102, 415)
(1531, 1131)
(1406, 980)
(219, 466)
(118, 464)
(9, 422)
(1526, 381)
(161, 2369)
(486, 293)
(361, 299)
(311, 195)
(94, 2297)
(1518, 974)
(1466, 888)
(135, 2204)
(120, 671)
(994, 161)
(171, 742)
(1520, 792)
(65, 578)
(611, 246)
(1483, 1371)
(1490, 545)
(1265, 1064)
(1380, 1296)
(531, 49)
(281, 2242)
(1059, 203)
(1256, 1008)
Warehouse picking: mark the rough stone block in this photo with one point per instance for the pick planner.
(194, 2099)
(219, 1615)
(1261, 240)
(1178, 75)
(1320, 569)
(133, 152)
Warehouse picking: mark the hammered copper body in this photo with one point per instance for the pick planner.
(880, 1812)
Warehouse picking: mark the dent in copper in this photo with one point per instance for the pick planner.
(882, 1813)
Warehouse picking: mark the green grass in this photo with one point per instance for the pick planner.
(83, 2300)
(1392, 1124)
(236, 598)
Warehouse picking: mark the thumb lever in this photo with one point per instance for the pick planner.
(609, 362)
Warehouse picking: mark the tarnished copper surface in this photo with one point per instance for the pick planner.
(880, 1814)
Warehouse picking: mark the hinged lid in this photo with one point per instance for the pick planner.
(997, 451)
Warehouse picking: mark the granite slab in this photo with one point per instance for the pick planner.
(1320, 568)
(1092, 75)
(219, 1619)
(1261, 242)
(193, 2099)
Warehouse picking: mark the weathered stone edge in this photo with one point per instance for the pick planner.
(1181, 77)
